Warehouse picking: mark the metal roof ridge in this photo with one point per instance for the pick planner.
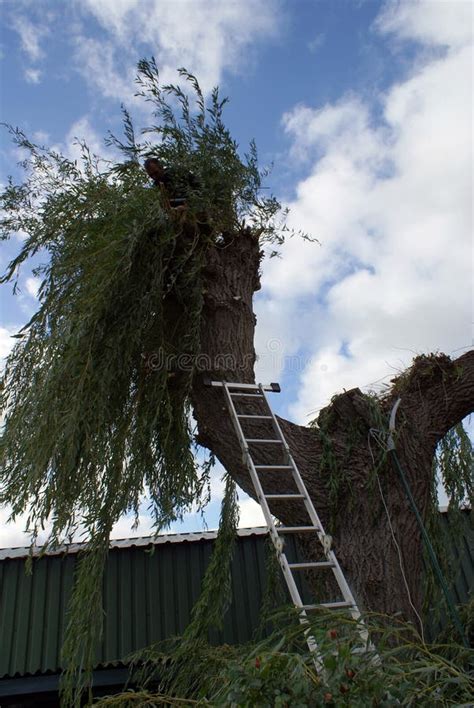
(139, 541)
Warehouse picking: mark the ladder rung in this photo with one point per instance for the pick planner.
(296, 529)
(250, 387)
(328, 605)
(248, 395)
(318, 564)
(274, 387)
(260, 417)
(273, 467)
(263, 440)
(285, 496)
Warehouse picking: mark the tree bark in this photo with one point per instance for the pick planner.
(368, 510)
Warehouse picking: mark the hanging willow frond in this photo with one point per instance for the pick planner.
(454, 466)
(216, 594)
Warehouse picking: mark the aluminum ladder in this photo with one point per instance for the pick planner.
(256, 392)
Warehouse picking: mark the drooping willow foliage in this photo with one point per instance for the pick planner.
(89, 425)
(216, 592)
(454, 467)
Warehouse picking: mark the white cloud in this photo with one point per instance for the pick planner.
(207, 38)
(101, 66)
(432, 22)
(390, 199)
(12, 534)
(217, 483)
(32, 286)
(33, 76)
(317, 42)
(126, 527)
(41, 136)
(83, 131)
(6, 341)
(31, 36)
(251, 514)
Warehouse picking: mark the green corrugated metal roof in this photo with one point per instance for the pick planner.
(147, 596)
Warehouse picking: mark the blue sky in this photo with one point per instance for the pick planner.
(365, 109)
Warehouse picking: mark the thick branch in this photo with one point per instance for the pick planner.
(437, 393)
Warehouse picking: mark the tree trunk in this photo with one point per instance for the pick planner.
(435, 392)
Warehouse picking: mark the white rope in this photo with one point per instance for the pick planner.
(378, 435)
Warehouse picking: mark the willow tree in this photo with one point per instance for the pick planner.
(138, 305)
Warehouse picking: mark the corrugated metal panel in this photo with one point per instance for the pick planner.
(32, 609)
(148, 596)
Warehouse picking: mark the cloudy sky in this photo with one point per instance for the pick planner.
(365, 109)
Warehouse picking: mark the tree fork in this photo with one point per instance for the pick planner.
(436, 394)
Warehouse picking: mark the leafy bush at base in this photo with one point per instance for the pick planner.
(280, 671)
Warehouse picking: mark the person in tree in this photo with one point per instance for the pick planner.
(175, 187)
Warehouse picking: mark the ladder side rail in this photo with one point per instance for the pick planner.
(344, 585)
(310, 508)
(349, 597)
(277, 541)
(330, 555)
(313, 515)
